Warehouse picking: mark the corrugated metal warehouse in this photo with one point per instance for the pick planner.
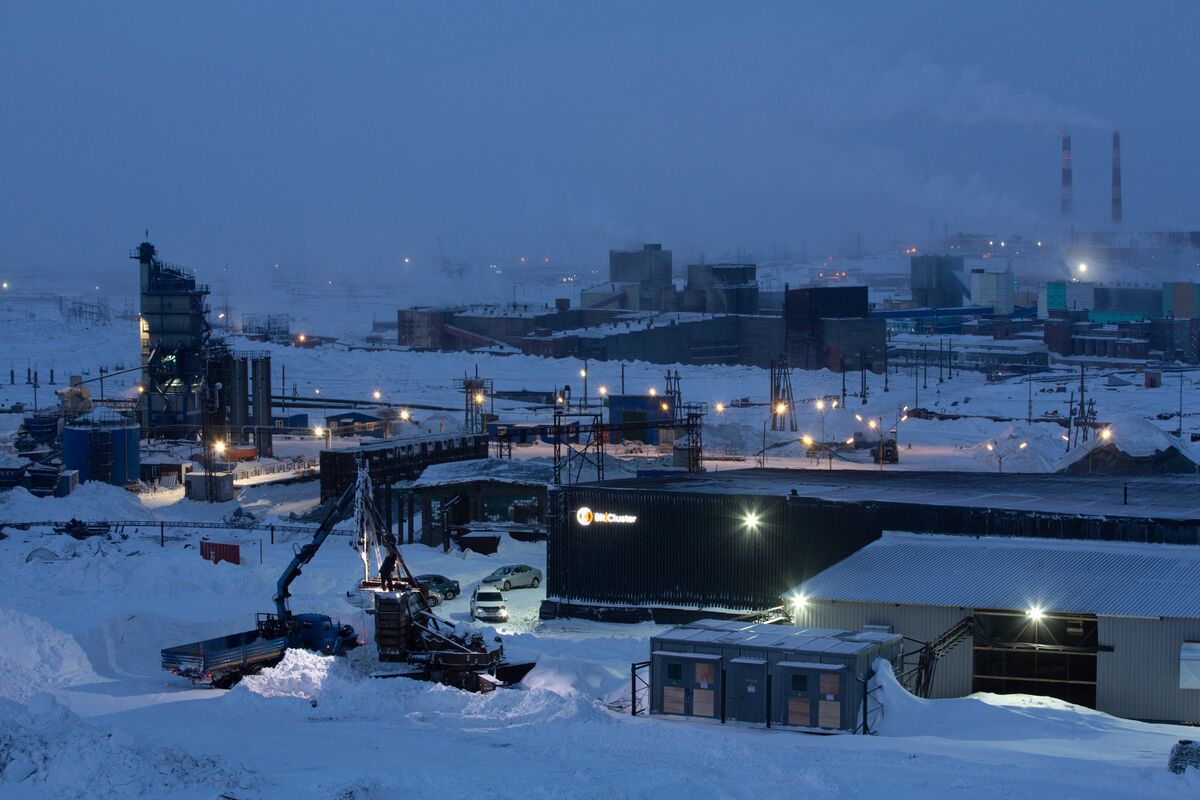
(1110, 625)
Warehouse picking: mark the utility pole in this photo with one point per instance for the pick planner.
(1029, 407)
(843, 363)
(1179, 432)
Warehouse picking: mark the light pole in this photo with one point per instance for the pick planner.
(995, 450)
(824, 408)
(1105, 436)
(780, 409)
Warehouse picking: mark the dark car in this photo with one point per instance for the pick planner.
(443, 587)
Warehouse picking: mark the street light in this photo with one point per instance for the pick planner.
(720, 408)
(1035, 613)
(404, 415)
(780, 408)
(377, 394)
(479, 398)
(327, 433)
(653, 392)
(995, 450)
(218, 447)
(1104, 436)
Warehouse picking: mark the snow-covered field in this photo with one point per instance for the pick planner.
(86, 711)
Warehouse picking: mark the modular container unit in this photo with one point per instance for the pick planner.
(807, 678)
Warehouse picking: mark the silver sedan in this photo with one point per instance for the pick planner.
(516, 576)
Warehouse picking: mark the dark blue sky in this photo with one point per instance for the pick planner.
(354, 134)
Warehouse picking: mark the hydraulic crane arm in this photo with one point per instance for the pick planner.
(306, 552)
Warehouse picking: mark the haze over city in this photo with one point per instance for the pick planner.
(330, 137)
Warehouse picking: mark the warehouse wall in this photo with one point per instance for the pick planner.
(952, 675)
(691, 550)
(1140, 678)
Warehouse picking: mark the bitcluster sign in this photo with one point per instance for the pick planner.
(586, 516)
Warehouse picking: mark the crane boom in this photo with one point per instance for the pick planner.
(306, 552)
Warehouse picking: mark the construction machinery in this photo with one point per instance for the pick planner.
(407, 630)
(223, 661)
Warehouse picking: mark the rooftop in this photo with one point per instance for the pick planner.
(1161, 496)
(1104, 578)
(765, 636)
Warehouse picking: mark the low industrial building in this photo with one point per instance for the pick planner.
(729, 543)
(1113, 626)
(777, 675)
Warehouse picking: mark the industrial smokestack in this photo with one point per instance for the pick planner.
(1116, 179)
(1067, 200)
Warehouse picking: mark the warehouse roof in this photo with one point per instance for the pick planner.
(1157, 496)
(501, 470)
(765, 636)
(1105, 578)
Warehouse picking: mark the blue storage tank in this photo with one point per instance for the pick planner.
(106, 450)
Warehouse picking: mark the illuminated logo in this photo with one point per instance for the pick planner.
(585, 516)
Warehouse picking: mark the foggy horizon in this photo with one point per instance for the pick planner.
(328, 139)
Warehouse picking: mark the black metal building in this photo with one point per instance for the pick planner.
(680, 548)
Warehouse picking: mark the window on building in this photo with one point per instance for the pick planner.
(799, 682)
(1189, 665)
(674, 672)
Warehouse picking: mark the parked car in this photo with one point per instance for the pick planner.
(516, 576)
(443, 587)
(488, 604)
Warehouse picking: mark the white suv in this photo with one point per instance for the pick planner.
(488, 604)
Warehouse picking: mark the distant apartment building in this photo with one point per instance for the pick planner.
(994, 289)
(937, 281)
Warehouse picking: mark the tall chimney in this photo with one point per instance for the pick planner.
(1116, 179)
(1067, 201)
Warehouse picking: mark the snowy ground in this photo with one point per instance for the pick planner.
(44, 341)
(87, 712)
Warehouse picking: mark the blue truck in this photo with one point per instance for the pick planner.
(221, 662)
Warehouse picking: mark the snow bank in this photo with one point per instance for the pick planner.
(91, 501)
(1042, 453)
(36, 657)
(45, 750)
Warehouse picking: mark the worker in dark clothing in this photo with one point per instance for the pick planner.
(385, 572)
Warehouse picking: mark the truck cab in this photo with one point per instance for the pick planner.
(321, 634)
(316, 632)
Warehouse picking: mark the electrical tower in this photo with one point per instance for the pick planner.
(477, 392)
(781, 393)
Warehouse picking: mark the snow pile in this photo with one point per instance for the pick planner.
(1042, 452)
(91, 501)
(35, 657)
(1137, 436)
(300, 674)
(45, 750)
